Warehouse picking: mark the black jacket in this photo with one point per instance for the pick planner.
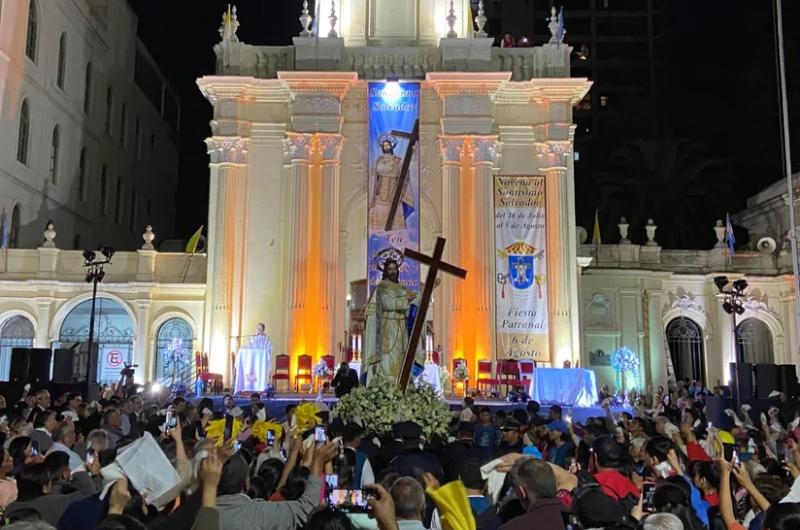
(343, 382)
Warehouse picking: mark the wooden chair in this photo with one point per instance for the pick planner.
(303, 371)
(281, 372)
(508, 374)
(526, 368)
(485, 377)
(453, 364)
(330, 365)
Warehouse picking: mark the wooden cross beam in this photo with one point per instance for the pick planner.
(413, 138)
(435, 264)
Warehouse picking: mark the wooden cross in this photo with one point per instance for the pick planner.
(413, 138)
(435, 264)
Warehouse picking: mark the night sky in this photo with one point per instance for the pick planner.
(720, 85)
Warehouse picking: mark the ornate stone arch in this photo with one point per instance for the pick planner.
(67, 307)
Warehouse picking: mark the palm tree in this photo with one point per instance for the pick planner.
(672, 181)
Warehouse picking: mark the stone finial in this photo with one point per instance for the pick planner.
(480, 21)
(650, 231)
(148, 238)
(556, 26)
(332, 18)
(305, 20)
(230, 25)
(451, 21)
(623, 226)
(49, 235)
(719, 232)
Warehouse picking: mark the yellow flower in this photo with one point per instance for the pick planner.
(306, 416)
(260, 429)
(216, 431)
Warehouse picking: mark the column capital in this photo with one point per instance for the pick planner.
(297, 146)
(485, 149)
(330, 146)
(452, 148)
(227, 149)
(554, 154)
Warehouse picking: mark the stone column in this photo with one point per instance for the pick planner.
(298, 154)
(43, 310)
(561, 259)
(143, 353)
(330, 149)
(654, 361)
(228, 167)
(451, 148)
(342, 311)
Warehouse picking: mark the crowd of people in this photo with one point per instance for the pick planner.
(660, 466)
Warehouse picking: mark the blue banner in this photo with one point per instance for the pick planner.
(393, 113)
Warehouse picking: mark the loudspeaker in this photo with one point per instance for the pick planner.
(30, 365)
(63, 363)
(742, 380)
(787, 380)
(715, 411)
(766, 379)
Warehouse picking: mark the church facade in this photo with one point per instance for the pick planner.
(289, 224)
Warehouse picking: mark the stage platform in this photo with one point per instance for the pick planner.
(276, 406)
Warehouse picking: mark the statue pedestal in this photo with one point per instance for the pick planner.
(466, 54)
(311, 53)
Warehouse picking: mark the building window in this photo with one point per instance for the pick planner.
(604, 101)
(109, 108)
(134, 205)
(24, 132)
(82, 175)
(87, 89)
(55, 145)
(13, 229)
(104, 190)
(33, 27)
(123, 126)
(138, 140)
(17, 332)
(174, 347)
(755, 342)
(118, 201)
(62, 61)
(686, 349)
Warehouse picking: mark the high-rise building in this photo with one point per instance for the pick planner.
(89, 124)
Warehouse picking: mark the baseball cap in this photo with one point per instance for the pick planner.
(510, 425)
(557, 425)
(595, 509)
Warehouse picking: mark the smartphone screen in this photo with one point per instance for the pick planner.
(727, 450)
(349, 500)
(237, 445)
(319, 435)
(648, 490)
(171, 421)
(331, 482)
(89, 457)
(34, 448)
(228, 427)
(270, 438)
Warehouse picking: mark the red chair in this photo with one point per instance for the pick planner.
(435, 357)
(303, 371)
(526, 371)
(330, 365)
(508, 374)
(485, 376)
(350, 355)
(281, 371)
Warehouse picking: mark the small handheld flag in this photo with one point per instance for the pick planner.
(191, 246)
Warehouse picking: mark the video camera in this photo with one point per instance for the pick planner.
(129, 370)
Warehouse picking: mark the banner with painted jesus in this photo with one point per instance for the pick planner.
(521, 265)
(393, 191)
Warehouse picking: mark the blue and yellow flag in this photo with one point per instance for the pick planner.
(596, 230)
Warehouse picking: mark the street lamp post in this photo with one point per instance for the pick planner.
(733, 304)
(94, 274)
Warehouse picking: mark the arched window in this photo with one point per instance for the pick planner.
(118, 201)
(755, 342)
(82, 175)
(686, 349)
(104, 190)
(13, 230)
(55, 145)
(123, 126)
(113, 335)
(174, 352)
(16, 332)
(33, 27)
(62, 61)
(109, 108)
(134, 205)
(87, 89)
(24, 132)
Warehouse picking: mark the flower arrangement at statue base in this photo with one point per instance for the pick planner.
(625, 360)
(382, 403)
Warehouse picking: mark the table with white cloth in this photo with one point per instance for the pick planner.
(564, 386)
(252, 370)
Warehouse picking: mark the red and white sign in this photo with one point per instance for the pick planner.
(110, 363)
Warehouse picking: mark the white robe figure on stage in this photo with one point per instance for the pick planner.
(253, 363)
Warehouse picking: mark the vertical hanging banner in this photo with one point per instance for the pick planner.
(393, 166)
(521, 266)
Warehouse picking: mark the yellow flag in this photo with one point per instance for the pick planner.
(596, 232)
(471, 20)
(191, 246)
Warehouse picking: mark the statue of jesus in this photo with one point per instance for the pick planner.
(386, 337)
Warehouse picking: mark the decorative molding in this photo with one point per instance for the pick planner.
(330, 146)
(683, 301)
(316, 103)
(468, 105)
(297, 146)
(598, 311)
(760, 305)
(452, 147)
(227, 149)
(217, 87)
(485, 150)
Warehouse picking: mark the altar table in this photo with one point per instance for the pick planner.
(252, 370)
(564, 386)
